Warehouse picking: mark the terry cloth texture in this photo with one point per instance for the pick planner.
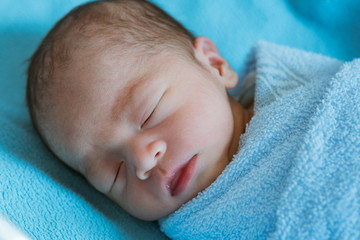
(297, 172)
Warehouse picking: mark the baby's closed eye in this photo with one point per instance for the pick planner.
(151, 117)
(121, 165)
(148, 118)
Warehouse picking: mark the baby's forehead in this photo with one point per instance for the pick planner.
(97, 76)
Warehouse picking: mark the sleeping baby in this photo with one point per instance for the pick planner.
(125, 95)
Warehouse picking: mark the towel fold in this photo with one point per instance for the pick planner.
(297, 172)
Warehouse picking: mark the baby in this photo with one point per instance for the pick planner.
(125, 95)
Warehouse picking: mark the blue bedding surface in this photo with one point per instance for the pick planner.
(46, 199)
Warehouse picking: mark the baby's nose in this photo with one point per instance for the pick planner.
(148, 158)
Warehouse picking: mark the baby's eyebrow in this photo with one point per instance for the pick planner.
(124, 97)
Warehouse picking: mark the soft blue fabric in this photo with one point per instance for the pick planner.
(328, 27)
(297, 172)
(48, 200)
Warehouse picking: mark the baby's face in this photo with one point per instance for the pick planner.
(150, 135)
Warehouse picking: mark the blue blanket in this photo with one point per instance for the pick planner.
(297, 172)
(47, 200)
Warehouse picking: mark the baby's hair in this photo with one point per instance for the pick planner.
(132, 24)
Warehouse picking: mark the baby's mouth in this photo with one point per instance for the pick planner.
(180, 178)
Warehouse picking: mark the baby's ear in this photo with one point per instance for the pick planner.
(208, 55)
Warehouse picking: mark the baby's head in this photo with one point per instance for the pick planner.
(122, 93)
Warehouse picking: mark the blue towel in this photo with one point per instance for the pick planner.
(44, 198)
(297, 172)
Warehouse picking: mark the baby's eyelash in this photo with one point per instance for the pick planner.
(148, 118)
(154, 109)
(117, 173)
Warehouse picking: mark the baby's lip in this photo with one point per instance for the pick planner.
(179, 179)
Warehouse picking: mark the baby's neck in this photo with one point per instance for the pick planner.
(242, 117)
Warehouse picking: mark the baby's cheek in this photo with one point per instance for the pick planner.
(97, 183)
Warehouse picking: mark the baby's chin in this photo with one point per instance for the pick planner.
(151, 215)
(174, 204)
